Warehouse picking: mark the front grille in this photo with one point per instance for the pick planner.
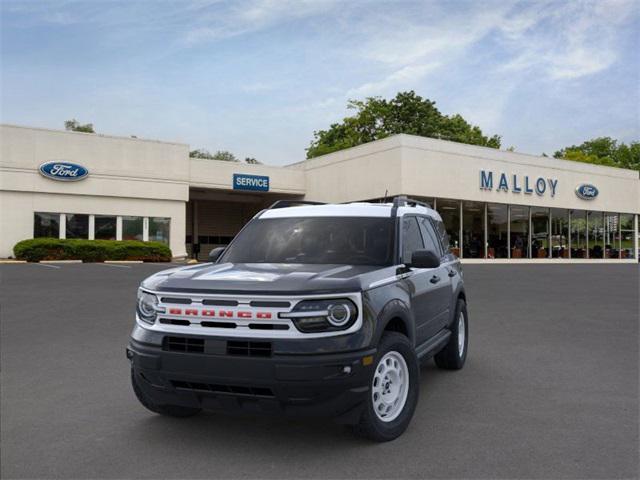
(249, 349)
(215, 388)
(183, 344)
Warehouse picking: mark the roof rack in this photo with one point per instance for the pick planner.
(402, 201)
(292, 203)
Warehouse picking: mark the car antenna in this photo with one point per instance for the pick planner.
(385, 196)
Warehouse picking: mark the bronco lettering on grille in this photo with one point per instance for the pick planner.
(209, 313)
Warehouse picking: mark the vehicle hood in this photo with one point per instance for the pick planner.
(265, 278)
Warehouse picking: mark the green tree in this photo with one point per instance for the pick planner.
(219, 155)
(377, 118)
(252, 161)
(604, 151)
(75, 126)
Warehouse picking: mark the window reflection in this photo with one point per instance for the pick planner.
(497, 231)
(46, 225)
(596, 235)
(611, 235)
(578, 234)
(519, 231)
(539, 232)
(449, 210)
(626, 236)
(159, 229)
(473, 230)
(77, 226)
(132, 228)
(559, 233)
(105, 227)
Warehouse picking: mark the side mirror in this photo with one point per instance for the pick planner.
(424, 259)
(214, 254)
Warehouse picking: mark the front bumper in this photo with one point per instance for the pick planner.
(319, 384)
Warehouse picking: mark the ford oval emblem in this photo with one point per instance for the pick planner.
(586, 191)
(63, 171)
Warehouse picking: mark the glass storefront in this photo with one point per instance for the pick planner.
(473, 241)
(539, 232)
(559, 233)
(578, 234)
(105, 227)
(519, 228)
(611, 235)
(595, 237)
(497, 231)
(159, 229)
(46, 225)
(132, 228)
(77, 226)
(626, 236)
(449, 210)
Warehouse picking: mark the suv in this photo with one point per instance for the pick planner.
(314, 309)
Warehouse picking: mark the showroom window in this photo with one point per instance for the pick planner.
(578, 234)
(559, 233)
(626, 236)
(473, 242)
(46, 225)
(519, 229)
(539, 232)
(449, 210)
(595, 236)
(497, 231)
(106, 227)
(77, 226)
(159, 229)
(132, 228)
(611, 235)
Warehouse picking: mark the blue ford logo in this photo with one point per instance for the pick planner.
(586, 191)
(64, 171)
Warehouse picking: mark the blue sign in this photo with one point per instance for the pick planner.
(63, 171)
(518, 183)
(586, 191)
(256, 183)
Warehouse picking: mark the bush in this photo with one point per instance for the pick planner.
(36, 249)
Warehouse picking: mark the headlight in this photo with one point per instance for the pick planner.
(323, 315)
(147, 306)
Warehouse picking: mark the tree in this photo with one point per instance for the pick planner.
(252, 161)
(75, 126)
(219, 155)
(604, 151)
(377, 118)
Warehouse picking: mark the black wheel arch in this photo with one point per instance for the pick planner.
(395, 316)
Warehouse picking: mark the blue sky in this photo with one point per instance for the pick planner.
(258, 77)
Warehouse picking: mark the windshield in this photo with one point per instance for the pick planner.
(330, 240)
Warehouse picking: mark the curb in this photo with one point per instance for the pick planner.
(123, 261)
(60, 261)
(8, 262)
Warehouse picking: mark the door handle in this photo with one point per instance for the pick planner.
(435, 279)
(452, 273)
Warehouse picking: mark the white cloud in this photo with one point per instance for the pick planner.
(405, 77)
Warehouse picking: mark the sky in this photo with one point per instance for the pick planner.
(258, 77)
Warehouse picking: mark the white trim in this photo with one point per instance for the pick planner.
(92, 227)
(119, 227)
(63, 226)
(145, 229)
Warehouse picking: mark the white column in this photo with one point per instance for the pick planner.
(635, 236)
(145, 229)
(63, 225)
(92, 227)
(118, 228)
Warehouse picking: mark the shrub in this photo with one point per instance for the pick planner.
(36, 249)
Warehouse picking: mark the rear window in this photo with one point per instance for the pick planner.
(318, 240)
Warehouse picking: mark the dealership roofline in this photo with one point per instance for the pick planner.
(450, 147)
(93, 135)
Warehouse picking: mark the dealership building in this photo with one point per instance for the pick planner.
(498, 206)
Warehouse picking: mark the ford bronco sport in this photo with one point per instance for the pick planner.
(313, 309)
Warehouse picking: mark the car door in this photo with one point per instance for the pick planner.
(440, 296)
(423, 287)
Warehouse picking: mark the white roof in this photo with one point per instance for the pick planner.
(359, 209)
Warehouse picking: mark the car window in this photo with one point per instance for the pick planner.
(442, 233)
(429, 235)
(411, 238)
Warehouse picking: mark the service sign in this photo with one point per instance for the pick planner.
(63, 171)
(586, 191)
(256, 183)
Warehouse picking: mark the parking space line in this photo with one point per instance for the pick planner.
(114, 265)
(47, 265)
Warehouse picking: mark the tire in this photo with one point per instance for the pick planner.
(451, 357)
(395, 354)
(168, 410)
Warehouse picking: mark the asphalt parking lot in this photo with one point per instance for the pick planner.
(550, 389)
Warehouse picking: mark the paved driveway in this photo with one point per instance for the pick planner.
(550, 389)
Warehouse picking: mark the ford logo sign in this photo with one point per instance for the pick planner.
(586, 191)
(63, 171)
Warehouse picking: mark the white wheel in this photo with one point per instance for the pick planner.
(461, 335)
(390, 386)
